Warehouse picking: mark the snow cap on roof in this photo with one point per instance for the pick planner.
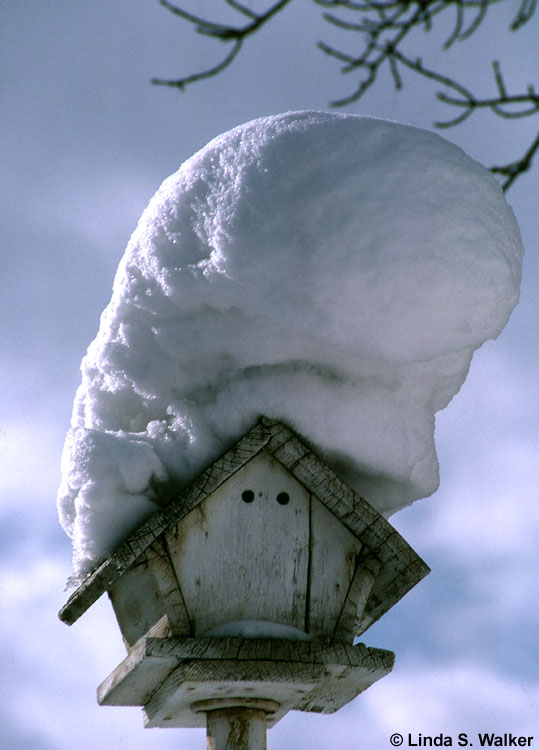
(333, 271)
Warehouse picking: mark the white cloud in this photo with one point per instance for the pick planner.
(27, 453)
(54, 670)
(420, 696)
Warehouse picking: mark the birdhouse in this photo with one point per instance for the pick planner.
(247, 590)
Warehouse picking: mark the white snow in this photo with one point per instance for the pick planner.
(257, 629)
(333, 271)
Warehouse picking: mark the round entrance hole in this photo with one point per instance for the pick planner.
(247, 496)
(283, 498)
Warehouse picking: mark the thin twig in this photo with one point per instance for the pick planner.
(383, 27)
(241, 8)
(468, 101)
(181, 83)
(516, 168)
(222, 32)
(527, 9)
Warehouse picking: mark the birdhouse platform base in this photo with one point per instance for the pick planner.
(180, 681)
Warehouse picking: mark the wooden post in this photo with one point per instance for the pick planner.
(236, 729)
(236, 724)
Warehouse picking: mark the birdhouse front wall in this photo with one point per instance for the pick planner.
(243, 553)
(262, 548)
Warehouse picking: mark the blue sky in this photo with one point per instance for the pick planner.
(85, 143)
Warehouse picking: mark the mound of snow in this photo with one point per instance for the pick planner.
(332, 271)
(257, 629)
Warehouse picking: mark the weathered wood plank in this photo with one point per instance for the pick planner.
(401, 568)
(168, 588)
(339, 685)
(279, 432)
(390, 589)
(333, 554)
(322, 482)
(245, 559)
(253, 648)
(136, 602)
(351, 615)
(90, 590)
(290, 452)
(167, 675)
(147, 591)
(136, 677)
(283, 682)
(249, 649)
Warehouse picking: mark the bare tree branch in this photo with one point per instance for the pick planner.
(516, 168)
(527, 9)
(383, 26)
(468, 102)
(241, 8)
(384, 31)
(235, 35)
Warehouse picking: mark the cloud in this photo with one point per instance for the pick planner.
(49, 698)
(420, 696)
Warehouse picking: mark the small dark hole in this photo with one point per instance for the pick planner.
(247, 496)
(283, 498)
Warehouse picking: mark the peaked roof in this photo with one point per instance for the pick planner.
(401, 568)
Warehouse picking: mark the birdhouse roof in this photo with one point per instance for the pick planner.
(398, 567)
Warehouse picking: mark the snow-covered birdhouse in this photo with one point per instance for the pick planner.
(251, 586)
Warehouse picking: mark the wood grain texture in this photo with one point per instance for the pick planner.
(136, 677)
(401, 568)
(102, 578)
(283, 682)
(249, 649)
(167, 675)
(334, 551)
(237, 560)
(136, 602)
(168, 589)
(351, 620)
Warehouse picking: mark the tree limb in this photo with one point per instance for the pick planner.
(383, 26)
(516, 168)
(234, 34)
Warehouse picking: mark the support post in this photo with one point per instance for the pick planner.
(236, 724)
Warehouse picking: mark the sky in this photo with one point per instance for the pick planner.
(86, 141)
